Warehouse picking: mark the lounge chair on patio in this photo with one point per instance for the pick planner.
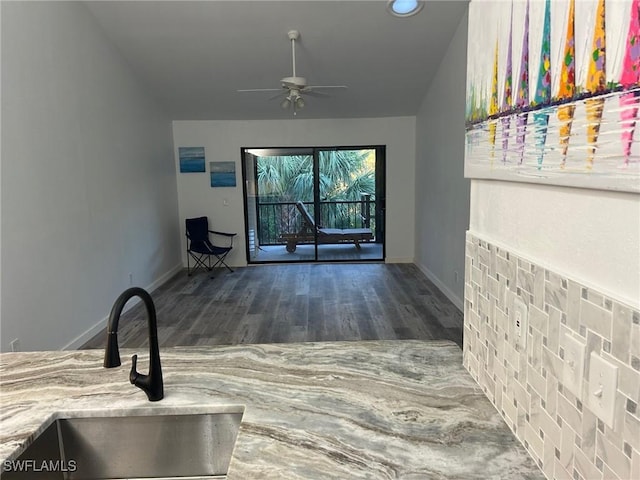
(325, 235)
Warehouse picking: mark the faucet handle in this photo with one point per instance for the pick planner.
(151, 384)
(133, 375)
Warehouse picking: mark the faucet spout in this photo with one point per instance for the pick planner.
(152, 383)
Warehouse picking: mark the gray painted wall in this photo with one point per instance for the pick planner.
(442, 192)
(88, 181)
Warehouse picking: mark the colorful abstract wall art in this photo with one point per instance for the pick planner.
(191, 159)
(223, 174)
(553, 92)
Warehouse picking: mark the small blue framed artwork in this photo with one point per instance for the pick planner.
(223, 174)
(191, 159)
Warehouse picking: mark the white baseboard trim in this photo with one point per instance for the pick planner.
(102, 324)
(398, 260)
(88, 334)
(163, 278)
(455, 299)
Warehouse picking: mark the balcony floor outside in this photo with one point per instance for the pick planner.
(326, 253)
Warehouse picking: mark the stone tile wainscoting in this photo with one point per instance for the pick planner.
(524, 375)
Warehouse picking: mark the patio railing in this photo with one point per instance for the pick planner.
(276, 218)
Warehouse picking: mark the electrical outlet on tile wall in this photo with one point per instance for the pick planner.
(520, 319)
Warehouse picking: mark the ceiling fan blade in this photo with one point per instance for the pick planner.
(313, 93)
(278, 95)
(260, 90)
(315, 87)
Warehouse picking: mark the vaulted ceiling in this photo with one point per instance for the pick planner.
(193, 55)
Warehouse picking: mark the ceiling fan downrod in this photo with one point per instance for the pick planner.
(293, 81)
(293, 36)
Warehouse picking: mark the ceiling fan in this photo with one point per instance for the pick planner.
(293, 88)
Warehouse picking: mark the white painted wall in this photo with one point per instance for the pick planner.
(590, 235)
(88, 179)
(224, 139)
(442, 192)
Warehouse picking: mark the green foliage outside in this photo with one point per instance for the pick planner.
(345, 175)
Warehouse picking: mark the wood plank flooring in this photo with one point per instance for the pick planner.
(295, 303)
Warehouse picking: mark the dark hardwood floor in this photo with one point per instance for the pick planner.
(295, 303)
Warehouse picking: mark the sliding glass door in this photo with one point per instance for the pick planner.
(347, 202)
(314, 204)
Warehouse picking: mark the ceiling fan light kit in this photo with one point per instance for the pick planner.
(294, 87)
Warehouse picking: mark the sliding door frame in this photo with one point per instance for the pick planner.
(380, 195)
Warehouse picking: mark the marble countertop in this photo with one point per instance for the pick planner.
(348, 410)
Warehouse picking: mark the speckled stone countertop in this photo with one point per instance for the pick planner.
(347, 410)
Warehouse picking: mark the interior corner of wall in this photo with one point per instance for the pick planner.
(455, 299)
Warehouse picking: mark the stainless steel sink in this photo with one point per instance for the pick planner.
(171, 446)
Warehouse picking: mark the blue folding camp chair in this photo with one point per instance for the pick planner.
(201, 249)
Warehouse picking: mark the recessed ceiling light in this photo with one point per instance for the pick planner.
(404, 8)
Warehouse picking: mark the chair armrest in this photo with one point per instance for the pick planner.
(223, 233)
